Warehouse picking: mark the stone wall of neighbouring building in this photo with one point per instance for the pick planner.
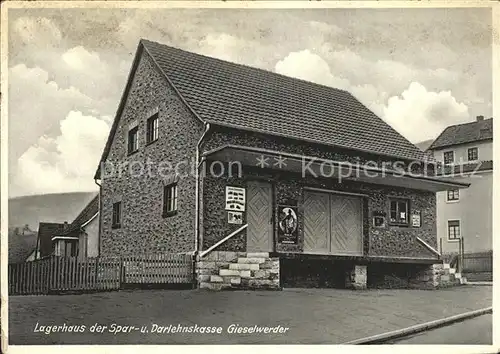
(220, 270)
(144, 229)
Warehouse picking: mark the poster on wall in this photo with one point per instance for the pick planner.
(288, 224)
(235, 198)
(379, 219)
(235, 217)
(415, 219)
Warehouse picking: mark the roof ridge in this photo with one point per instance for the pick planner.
(471, 122)
(245, 66)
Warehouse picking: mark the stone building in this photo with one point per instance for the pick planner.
(268, 180)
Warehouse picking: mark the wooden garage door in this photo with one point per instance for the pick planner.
(332, 224)
(316, 222)
(259, 217)
(346, 225)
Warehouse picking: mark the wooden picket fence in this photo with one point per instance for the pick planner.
(479, 262)
(67, 274)
(157, 269)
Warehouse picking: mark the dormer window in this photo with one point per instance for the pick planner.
(448, 157)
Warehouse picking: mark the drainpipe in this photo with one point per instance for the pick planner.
(100, 219)
(197, 190)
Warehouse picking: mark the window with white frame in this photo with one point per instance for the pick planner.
(117, 215)
(452, 195)
(170, 200)
(448, 157)
(133, 140)
(399, 212)
(472, 154)
(453, 229)
(152, 128)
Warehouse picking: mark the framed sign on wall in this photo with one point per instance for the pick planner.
(234, 217)
(235, 198)
(416, 220)
(288, 232)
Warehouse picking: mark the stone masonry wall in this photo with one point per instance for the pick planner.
(387, 241)
(221, 270)
(432, 277)
(143, 228)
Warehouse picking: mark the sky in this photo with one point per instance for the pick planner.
(418, 69)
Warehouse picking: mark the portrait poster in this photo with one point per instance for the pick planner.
(287, 224)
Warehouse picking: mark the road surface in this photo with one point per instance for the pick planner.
(477, 330)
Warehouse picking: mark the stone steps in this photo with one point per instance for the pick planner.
(251, 260)
(243, 266)
(222, 270)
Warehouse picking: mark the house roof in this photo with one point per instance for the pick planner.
(90, 210)
(247, 98)
(21, 246)
(471, 168)
(478, 130)
(46, 230)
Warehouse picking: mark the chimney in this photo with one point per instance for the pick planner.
(479, 118)
(65, 227)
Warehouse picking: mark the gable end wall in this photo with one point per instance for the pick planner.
(137, 180)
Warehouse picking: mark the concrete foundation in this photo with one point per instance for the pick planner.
(356, 278)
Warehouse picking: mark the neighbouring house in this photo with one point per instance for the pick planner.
(268, 180)
(22, 246)
(466, 152)
(78, 239)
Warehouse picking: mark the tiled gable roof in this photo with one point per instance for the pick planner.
(91, 209)
(21, 246)
(464, 133)
(231, 94)
(239, 96)
(46, 230)
(472, 168)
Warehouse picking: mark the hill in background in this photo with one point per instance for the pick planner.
(424, 145)
(61, 207)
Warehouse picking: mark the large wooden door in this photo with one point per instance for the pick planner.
(259, 217)
(316, 222)
(333, 223)
(346, 225)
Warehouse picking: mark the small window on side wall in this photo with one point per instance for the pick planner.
(152, 129)
(133, 140)
(170, 200)
(117, 215)
(399, 212)
(452, 195)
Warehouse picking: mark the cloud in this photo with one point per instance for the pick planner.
(36, 106)
(309, 66)
(227, 47)
(65, 163)
(37, 31)
(417, 113)
(420, 114)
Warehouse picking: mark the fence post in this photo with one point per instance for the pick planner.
(462, 252)
(121, 275)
